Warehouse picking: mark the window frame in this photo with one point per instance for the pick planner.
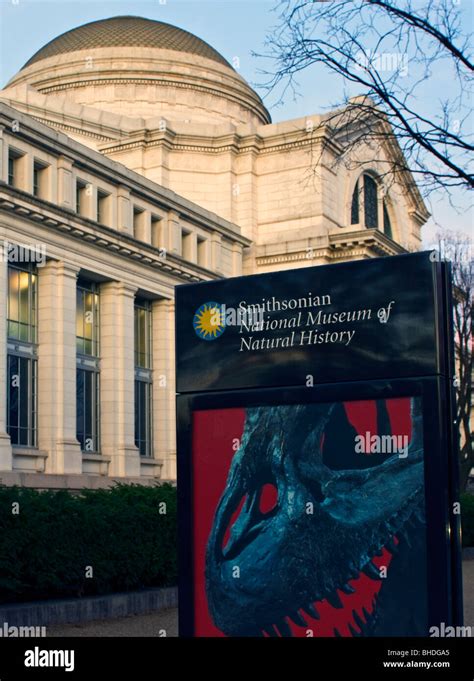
(40, 179)
(88, 364)
(143, 380)
(24, 351)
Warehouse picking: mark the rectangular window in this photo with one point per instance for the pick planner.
(102, 207)
(40, 180)
(139, 223)
(87, 409)
(81, 197)
(143, 417)
(202, 251)
(143, 334)
(11, 170)
(21, 358)
(14, 167)
(143, 378)
(87, 319)
(21, 400)
(156, 239)
(22, 304)
(186, 244)
(87, 360)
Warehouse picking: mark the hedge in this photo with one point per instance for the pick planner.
(467, 519)
(58, 544)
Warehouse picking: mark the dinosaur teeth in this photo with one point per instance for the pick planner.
(271, 632)
(347, 589)
(358, 620)
(334, 600)
(353, 631)
(353, 571)
(337, 634)
(366, 614)
(297, 619)
(283, 628)
(312, 612)
(371, 571)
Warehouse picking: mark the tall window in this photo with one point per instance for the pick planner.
(81, 197)
(371, 209)
(14, 158)
(139, 223)
(102, 207)
(365, 202)
(143, 378)
(22, 353)
(40, 179)
(87, 381)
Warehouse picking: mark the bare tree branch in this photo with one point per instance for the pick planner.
(368, 44)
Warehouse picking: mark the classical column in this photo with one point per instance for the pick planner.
(5, 446)
(57, 367)
(117, 378)
(164, 390)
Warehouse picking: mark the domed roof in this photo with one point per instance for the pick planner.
(127, 31)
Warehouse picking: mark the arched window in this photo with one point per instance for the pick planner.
(371, 209)
(365, 201)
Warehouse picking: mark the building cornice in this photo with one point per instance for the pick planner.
(64, 221)
(229, 142)
(94, 162)
(353, 244)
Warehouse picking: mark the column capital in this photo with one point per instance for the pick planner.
(65, 162)
(123, 191)
(120, 288)
(61, 267)
(163, 302)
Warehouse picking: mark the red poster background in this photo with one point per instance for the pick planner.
(214, 433)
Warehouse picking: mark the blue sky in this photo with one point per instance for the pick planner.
(236, 28)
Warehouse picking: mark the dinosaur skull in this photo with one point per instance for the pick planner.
(325, 529)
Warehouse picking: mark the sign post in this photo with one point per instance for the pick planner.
(317, 467)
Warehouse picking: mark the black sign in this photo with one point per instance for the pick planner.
(357, 320)
(317, 461)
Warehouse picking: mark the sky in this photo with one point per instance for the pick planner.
(235, 28)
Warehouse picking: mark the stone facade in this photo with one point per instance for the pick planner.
(125, 261)
(143, 160)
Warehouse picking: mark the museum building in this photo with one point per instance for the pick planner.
(134, 158)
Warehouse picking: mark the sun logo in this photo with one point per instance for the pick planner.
(209, 322)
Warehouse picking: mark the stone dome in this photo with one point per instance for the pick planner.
(169, 72)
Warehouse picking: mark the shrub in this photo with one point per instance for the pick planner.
(46, 548)
(467, 519)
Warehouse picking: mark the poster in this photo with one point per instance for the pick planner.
(309, 520)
